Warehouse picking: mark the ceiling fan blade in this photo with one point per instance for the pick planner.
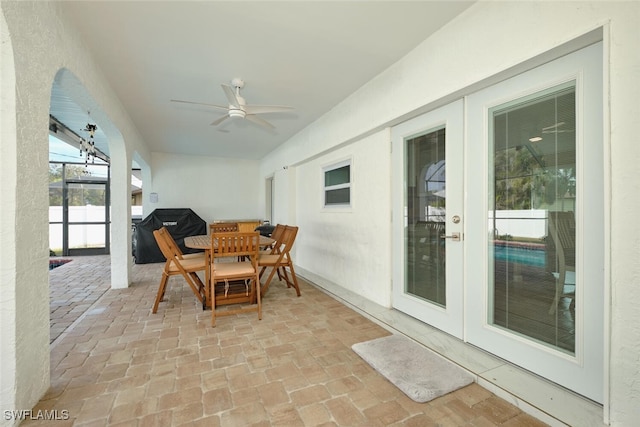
(200, 103)
(259, 109)
(220, 120)
(231, 96)
(259, 121)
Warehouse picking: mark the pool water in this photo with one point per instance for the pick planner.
(53, 263)
(522, 255)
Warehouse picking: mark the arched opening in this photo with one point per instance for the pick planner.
(85, 149)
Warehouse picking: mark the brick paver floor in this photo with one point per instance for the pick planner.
(120, 365)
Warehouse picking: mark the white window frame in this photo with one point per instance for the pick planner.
(349, 185)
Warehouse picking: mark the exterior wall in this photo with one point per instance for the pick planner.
(487, 41)
(624, 271)
(354, 241)
(43, 44)
(214, 188)
(8, 194)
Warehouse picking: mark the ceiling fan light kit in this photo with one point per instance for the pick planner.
(234, 112)
(238, 107)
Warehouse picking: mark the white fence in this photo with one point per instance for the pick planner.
(81, 235)
(519, 223)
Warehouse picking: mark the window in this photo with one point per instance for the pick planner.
(337, 184)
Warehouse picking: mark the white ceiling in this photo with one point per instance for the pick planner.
(309, 55)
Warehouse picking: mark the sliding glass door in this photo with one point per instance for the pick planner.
(79, 209)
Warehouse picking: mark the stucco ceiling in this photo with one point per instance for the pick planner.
(308, 55)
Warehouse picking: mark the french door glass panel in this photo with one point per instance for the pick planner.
(427, 278)
(425, 259)
(532, 181)
(535, 221)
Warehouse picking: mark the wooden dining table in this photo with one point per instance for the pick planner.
(203, 241)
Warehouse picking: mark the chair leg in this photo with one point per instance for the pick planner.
(212, 292)
(161, 289)
(559, 290)
(284, 276)
(259, 297)
(195, 284)
(295, 279)
(198, 282)
(263, 288)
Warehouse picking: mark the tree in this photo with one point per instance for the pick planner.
(78, 194)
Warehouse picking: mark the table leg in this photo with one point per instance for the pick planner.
(207, 279)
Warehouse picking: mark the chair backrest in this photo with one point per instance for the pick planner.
(163, 243)
(223, 227)
(170, 242)
(235, 244)
(277, 235)
(562, 228)
(288, 238)
(277, 232)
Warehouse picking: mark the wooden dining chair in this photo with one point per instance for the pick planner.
(223, 227)
(274, 248)
(279, 260)
(234, 274)
(177, 264)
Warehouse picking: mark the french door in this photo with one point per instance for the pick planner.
(506, 249)
(428, 225)
(79, 213)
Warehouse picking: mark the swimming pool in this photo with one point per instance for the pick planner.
(527, 255)
(53, 263)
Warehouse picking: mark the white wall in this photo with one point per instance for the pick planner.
(477, 49)
(8, 184)
(354, 241)
(215, 188)
(43, 44)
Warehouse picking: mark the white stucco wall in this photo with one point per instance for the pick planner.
(215, 188)
(354, 241)
(624, 92)
(43, 44)
(486, 41)
(8, 187)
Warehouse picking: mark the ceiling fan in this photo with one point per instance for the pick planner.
(556, 128)
(238, 108)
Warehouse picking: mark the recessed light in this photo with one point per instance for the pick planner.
(535, 139)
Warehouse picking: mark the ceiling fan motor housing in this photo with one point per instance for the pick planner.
(237, 83)
(238, 112)
(235, 112)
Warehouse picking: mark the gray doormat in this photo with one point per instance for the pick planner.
(419, 372)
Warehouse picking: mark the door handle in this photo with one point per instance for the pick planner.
(454, 236)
